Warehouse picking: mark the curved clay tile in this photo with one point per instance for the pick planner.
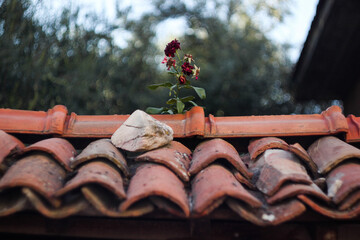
(259, 146)
(351, 200)
(342, 181)
(12, 202)
(60, 149)
(175, 156)
(38, 172)
(327, 152)
(98, 173)
(9, 145)
(102, 148)
(66, 210)
(243, 180)
(277, 167)
(212, 185)
(105, 204)
(156, 180)
(209, 151)
(332, 213)
(292, 190)
(269, 215)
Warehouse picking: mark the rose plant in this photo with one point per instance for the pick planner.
(184, 70)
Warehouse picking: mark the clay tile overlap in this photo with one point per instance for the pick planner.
(175, 156)
(12, 201)
(105, 203)
(63, 211)
(209, 151)
(277, 167)
(329, 212)
(59, 148)
(268, 215)
(294, 189)
(156, 180)
(342, 181)
(38, 172)
(327, 152)
(9, 145)
(351, 200)
(212, 185)
(98, 173)
(104, 149)
(259, 146)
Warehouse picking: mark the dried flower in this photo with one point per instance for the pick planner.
(188, 58)
(187, 68)
(182, 79)
(196, 72)
(170, 63)
(171, 48)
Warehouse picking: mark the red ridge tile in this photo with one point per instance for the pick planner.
(343, 180)
(175, 156)
(332, 213)
(9, 145)
(291, 190)
(268, 215)
(103, 149)
(353, 134)
(156, 180)
(212, 185)
(331, 121)
(98, 173)
(39, 122)
(327, 152)
(38, 172)
(277, 167)
(60, 149)
(209, 151)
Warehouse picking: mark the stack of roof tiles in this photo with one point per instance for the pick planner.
(274, 182)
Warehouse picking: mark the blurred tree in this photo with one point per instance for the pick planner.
(61, 61)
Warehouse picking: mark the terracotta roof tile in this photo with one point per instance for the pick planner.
(276, 167)
(329, 151)
(102, 149)
(156, 180)
(209, 151)
(75, 206)
(212, 185)
(38, 172)
(342, 181)
(268, 188)
(259, 146)
(175, 156)
(9, 145)
(268, 215)
(59, 148)
(98, 173)
(294, 189)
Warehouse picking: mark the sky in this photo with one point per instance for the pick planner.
(294, 30)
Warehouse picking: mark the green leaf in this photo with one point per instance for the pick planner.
(153, 110)
(187, 99)
(200, 92)
(180, 106)
(155, 86)
(170, 111)
(171, 101)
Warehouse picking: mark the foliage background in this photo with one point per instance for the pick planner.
(47, 60)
